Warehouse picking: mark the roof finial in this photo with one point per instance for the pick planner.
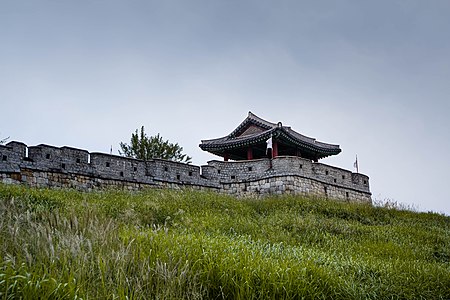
(250, 114)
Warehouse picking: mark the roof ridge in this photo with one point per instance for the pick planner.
(255, 119)
(259, 119)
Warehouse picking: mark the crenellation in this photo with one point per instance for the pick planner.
(10, 159)
(18, 148)
(111, 166)
(238, 170)
(66, 167)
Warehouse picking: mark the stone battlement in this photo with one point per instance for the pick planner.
(66, 167)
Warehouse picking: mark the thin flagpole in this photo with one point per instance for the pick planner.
(356, 164)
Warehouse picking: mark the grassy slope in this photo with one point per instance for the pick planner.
(170, 245)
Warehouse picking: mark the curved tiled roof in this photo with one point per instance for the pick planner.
(254, 120)
(234, 140)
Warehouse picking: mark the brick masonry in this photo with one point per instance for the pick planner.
(66, 167)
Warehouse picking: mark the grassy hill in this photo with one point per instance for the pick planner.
(162, 244)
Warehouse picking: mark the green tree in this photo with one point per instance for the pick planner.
(148, 147)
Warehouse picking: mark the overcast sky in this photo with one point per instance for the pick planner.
(371, 76)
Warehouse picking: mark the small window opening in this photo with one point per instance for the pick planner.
(190, 173)
(121, 174)
(47, 156)
(108, 165)
(250, 169)
(346, 195)
(63, 166)
(343, 176)
(326, 172)
(4, 157)
(325, 190)
(233, 177)
(301, 166)
(178, 177)
(78, 160)
(218, 171)
(134, 169)
(365, 181)
(166, 169)
(334, 180)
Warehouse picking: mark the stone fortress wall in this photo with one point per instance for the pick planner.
(66, 167)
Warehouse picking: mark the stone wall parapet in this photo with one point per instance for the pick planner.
(45, 165)
(249, 170)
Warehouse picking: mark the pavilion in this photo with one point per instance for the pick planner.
(249, 141)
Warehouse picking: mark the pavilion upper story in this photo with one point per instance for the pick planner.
(251, 139)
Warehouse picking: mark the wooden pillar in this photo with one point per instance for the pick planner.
(274, 148)
(225, 157)
(249, 153)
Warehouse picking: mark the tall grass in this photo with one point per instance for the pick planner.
(161, 244)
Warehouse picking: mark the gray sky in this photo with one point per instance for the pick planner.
(372, 76)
